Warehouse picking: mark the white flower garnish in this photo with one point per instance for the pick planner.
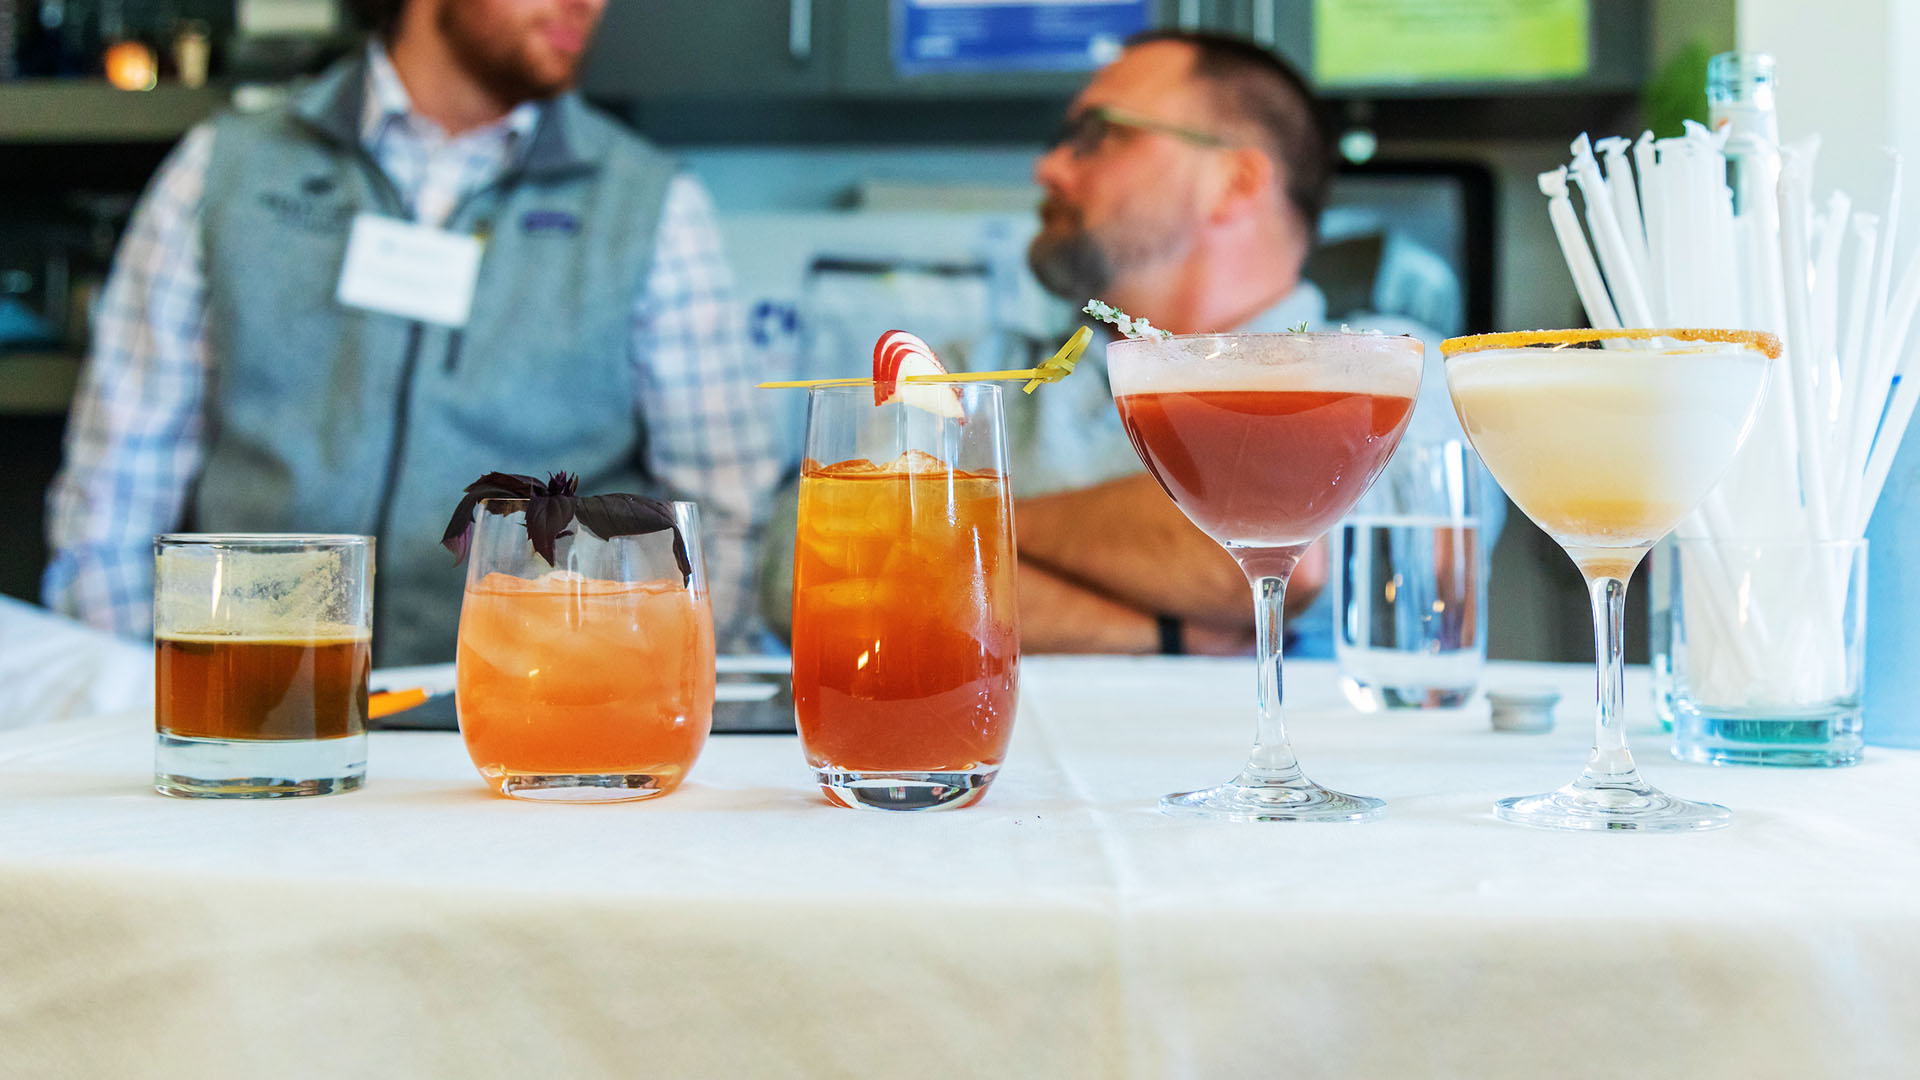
(1121, 321)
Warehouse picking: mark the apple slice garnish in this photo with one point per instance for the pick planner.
(899, 354)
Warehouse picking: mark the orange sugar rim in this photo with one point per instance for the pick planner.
(1519, 339)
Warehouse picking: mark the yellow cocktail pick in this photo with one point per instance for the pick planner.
(1052, 369)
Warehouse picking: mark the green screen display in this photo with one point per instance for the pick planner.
(1385, 42)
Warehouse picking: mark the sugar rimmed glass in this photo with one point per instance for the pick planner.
(1606, 449)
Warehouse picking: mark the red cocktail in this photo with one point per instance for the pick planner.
(1264, 441)
(1269, 468)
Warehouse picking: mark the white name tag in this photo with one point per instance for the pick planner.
(399, 268)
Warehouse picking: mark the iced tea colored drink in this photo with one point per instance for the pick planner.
(570, 676)
(906, 641)
(587, 677)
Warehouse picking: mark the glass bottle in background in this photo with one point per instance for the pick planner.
(1740, 101)
(1410, 584)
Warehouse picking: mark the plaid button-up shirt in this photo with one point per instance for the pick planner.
(135, 437)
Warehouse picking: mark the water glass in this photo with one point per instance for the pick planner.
(590, 678)
(1768, 643)
(1410, 583)
(262, 646)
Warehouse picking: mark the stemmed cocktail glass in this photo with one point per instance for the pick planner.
(1264, 441)
(1606, 450)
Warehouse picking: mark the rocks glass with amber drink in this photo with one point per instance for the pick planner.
(262, 645)
(906, 639)
(585, 674)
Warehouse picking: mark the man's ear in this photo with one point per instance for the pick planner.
(1247, 185)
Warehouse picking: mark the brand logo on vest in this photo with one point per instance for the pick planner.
(313, 215)
(549, 221)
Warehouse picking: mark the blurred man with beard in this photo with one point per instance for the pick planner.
(434, 262)
(1185, 187)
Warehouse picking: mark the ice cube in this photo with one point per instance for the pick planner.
(915, 462)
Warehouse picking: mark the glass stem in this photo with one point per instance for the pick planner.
(1611, 763)
(1268, 570)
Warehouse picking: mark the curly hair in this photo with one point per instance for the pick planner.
(376, 16)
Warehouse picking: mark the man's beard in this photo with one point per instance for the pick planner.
(1075, 263)
(492, 60)
(1072, 266)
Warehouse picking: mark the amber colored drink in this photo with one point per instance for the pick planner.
(906, 639)
(1264, 468)
(564, 675)
(221, 687)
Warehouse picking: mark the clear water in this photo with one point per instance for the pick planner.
(1410, 610)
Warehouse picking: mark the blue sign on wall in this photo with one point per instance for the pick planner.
(936, 36)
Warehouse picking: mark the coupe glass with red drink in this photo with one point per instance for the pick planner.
(1264, 441)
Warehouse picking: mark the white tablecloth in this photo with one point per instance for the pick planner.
(1063, 928)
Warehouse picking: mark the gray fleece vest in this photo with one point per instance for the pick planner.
(323, 418)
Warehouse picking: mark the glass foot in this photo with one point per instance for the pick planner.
(905, 790)
(189, 767)
(581, 787)
(1623, 804)
(1255, 798)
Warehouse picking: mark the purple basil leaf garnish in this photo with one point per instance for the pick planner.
(553, 506)
(459, 535)
(547, 519)
(614, 515)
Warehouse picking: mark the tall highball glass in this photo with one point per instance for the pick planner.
(1264, 441)
(906, 631)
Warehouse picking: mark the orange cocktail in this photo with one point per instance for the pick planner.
(569, 678)
(906, 641)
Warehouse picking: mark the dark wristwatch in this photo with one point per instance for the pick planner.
(1173, 635)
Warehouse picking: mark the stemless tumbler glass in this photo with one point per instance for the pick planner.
(262, 645)
(906, 640)
(589, 679)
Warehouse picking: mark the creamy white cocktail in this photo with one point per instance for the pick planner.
(1607, 449)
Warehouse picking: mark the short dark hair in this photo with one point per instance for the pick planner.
(377, 17)
(1254, 86)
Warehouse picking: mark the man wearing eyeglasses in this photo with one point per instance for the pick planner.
(1185, 187)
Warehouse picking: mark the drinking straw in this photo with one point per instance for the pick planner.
(1866, 233)
(1573, 245)
(1626, 204)
(1682, 241)
(1826, 302)
(1653, 220)
(1878, 346)
(1608, 240)
(1795, 178)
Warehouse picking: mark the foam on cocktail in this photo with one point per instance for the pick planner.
(1606, 448)
(1356, 363)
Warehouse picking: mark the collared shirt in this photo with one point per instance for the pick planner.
(136, 435)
